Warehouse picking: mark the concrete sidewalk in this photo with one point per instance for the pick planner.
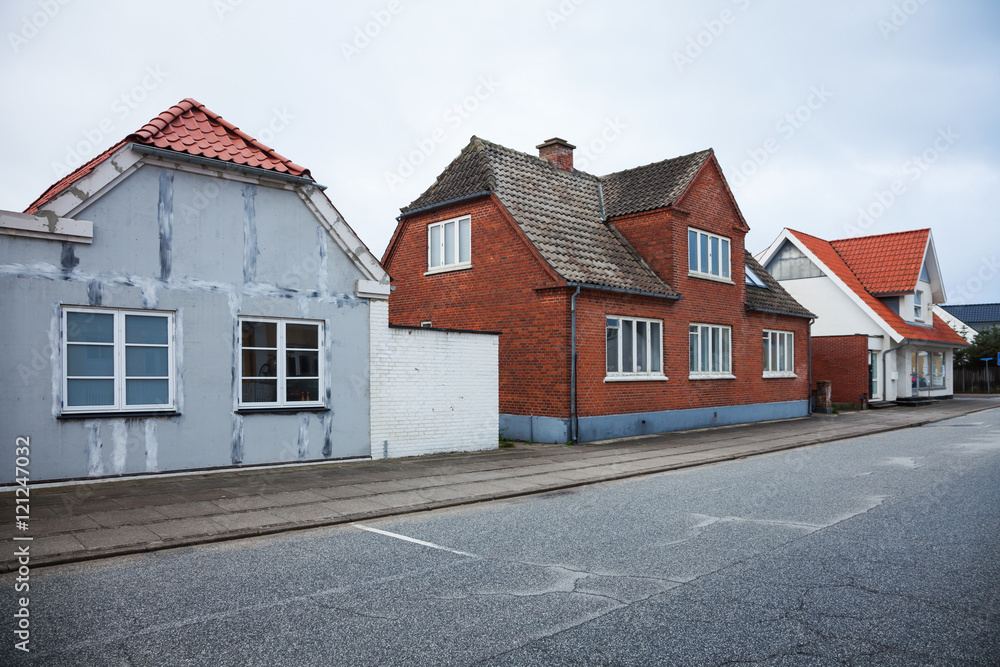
(83, 521)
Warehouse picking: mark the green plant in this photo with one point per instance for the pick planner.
(504, 440)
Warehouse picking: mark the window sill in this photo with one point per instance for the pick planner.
(779, 374)
(635, 378)
(246, 410)
(448, 269)
(712, 376)
(709, 276)
(120, 414)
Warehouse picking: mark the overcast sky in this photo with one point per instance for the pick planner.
(834, 118)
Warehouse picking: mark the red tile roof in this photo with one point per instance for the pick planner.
(188, 127)
(886, 263)
(835, 262)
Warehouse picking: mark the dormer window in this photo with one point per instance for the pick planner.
(708, 255)
(449, 245)
(918, 306)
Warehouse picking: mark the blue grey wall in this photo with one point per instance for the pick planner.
(210, 249)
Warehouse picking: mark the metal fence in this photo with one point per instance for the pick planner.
(977, 380)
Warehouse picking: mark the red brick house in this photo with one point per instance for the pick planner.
(627, 302)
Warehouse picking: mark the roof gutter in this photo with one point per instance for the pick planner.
(622, 290)
(434, 207)
(216, 164)
(782, 312)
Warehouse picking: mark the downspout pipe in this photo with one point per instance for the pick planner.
(573, 425)
(810, 373)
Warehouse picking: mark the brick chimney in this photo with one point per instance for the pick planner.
(557, 151)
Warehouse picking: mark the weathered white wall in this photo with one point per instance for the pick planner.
(836, 313)
(432, 391)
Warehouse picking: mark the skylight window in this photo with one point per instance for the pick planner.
(752, 279)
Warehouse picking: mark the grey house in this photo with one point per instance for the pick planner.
(188, 299)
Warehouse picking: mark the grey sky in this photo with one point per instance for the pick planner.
(814, 109)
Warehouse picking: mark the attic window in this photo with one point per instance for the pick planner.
(449, 244)
(753, 279)
(708, 255)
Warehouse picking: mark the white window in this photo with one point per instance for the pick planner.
(710, 351)
(779, 354)
(117, 360)
(634, 348)
(280, 363)
(449, 244)
(708, 255)
(918, 306)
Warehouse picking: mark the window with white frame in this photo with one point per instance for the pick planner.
(634, 347)
(449, 244)
(117, 360)
(708, 254)
(710, 350)
(779, 353)
(918, 306)
(280, 363)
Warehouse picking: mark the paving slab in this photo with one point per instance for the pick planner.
(78, 521)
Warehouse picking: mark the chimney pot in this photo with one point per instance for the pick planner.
(557, 151)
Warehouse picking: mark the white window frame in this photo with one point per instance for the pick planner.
(725, 259)
(918, 306)
(464, 221)
(725, 344)
(118, 343)
(772, 366)
(627, 376)
(282, 373)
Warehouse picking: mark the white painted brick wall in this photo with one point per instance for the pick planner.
(432, 391)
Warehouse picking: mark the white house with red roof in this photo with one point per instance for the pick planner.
(876, 337)
(191, 299)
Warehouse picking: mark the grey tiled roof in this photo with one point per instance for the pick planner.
(559, 211)
(974, 313)
(774, 299)
(653, 186)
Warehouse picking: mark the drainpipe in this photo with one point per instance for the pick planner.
(573, 426)
(810, 373)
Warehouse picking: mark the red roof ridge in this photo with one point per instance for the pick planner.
(169, 131)
(884, 234)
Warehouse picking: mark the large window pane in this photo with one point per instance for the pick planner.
(767, 348)
(146, 362)
(303, 336)
(260, 391)
(726, 351)
(260, 334)
(81, 393)
(655, 341)
(693, 349)
(715, 257)
(706, 346)
(716, 349)
(300, 363)
(90, 327)
(465, 240)
(260, 363)
(725, 258)
(302, 390)
(641, 351)
(692, 250)
(90, 360)
(147, 392)
(143, 329)
(435, 245)
(612, 345)
(704, 253)
(449, 243)
(781, 352)
(627, 336)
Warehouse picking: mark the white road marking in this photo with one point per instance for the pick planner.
(412, 539)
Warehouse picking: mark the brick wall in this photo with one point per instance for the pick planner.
(843, 360)
(431, 391)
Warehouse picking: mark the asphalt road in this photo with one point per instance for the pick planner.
(878, 550)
